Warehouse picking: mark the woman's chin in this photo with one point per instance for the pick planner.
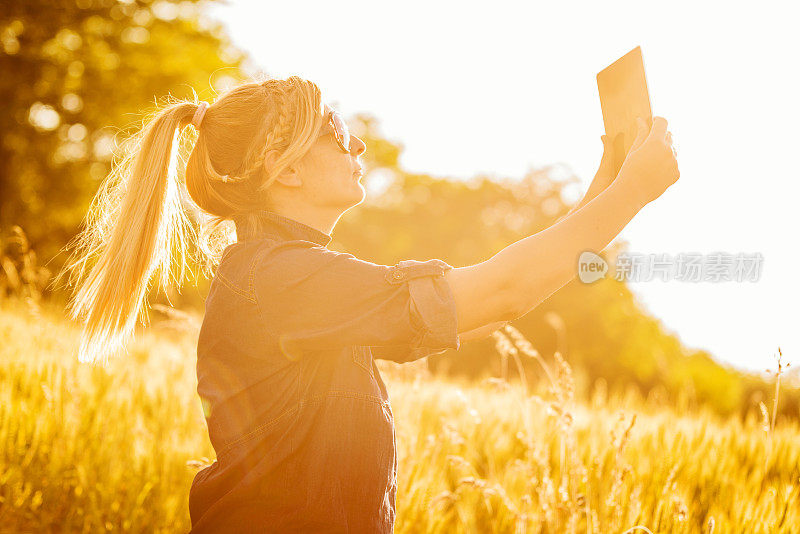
(355, 195)
(361, 193)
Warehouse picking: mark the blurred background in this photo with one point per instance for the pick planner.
(482, 127)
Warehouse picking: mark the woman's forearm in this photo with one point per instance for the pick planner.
(538, 265)
(599, 184)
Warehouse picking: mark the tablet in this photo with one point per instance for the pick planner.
(624, 96)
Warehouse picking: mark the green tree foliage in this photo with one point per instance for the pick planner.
(73, 75)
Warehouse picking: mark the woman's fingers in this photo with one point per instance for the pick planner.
(659, 128)
(671, 144)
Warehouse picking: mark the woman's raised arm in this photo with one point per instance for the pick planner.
(524, 274)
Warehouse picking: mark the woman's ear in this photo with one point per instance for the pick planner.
(289, 176)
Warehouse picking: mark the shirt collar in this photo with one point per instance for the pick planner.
(264, 223)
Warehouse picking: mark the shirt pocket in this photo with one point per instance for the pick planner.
(362, 357)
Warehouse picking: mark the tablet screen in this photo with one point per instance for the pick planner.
(624, 96)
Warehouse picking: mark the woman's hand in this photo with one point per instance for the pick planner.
(606, 168)
(651, 166)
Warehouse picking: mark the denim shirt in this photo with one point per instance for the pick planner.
(297, 412)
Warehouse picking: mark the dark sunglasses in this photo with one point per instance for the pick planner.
(340, 130)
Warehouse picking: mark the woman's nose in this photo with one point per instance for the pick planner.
(357, 146)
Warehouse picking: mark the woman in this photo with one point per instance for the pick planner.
(297, 411)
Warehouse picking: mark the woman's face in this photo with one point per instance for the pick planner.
(330, 177)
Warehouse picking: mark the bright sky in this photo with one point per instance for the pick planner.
(725, 78)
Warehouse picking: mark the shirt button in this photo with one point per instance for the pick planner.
(397, 275)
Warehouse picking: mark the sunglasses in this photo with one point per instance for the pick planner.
(340, 130)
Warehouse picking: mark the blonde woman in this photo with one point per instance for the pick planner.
(297, 411)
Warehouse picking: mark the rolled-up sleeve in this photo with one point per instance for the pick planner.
(312, 298)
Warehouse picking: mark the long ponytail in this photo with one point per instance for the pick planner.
(136, 227)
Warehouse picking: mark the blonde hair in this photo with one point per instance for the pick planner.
(137, 226)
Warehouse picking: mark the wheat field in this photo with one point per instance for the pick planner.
(87, 449)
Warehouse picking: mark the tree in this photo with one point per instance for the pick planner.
(74, 76)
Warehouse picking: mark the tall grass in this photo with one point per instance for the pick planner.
(85, 449)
